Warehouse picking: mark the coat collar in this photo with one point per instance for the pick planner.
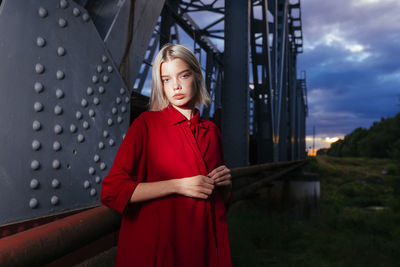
(176, 117)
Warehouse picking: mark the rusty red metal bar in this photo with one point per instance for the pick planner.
(43, 244)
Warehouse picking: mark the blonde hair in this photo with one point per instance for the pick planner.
(158, 100)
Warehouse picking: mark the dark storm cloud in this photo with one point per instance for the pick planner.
(352, 59)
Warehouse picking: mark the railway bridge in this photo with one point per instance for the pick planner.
(75, 74)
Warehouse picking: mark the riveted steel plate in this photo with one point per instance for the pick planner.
(63, 109)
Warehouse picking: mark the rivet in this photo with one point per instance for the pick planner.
(110, 69)
(85, 125)
(35, 165)
(36, 125)
(101, 145)
(62, 23)
(76, 12)
(84, 103)
(42, 12)
(91, 170)
(34, 184)
(78, 115)
(105, 134)
(111, 142)
(60, 51)
(89, 91)
(60, 75)
(58, 110)
(57, 129)
(93, 192)
(72, 128)
(54, 200)
(38, 87)
(101, 90)
(39, 68)
(96, 158)
(104, 59)
(123, 136)
(127, 99)
(122, 91)
(98, 179)
(56, 164)
(96, 101)
(33, 203)
(105, 79)
(63, 4)
(81, 138)
(40, 41)
(123, 109)
(35, 145)
(59, 93)
(74, 152)
(99, 68)
(109, 122)
(38, 106)
(119, 119)
(114, 110)
(95, 79)
(103, 166)
(85, 17)
(56, 146)
(55, 183)
(91, 113)
(86, 184)
(118, 100)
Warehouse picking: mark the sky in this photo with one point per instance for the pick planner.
(352, 61)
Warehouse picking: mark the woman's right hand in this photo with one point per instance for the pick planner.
(198, 186)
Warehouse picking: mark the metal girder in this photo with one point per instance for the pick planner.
(262, 81)
(235, 95)
(130, 33)
(64, 109)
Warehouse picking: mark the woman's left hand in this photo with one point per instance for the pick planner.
(221, 176)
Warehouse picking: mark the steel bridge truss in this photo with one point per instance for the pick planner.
(68, 106)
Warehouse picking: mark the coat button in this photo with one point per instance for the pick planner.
(188, 123)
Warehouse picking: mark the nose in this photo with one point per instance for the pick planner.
(176, 84)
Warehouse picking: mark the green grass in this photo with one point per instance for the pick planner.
(358, 225)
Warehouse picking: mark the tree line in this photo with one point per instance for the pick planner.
(381, 140)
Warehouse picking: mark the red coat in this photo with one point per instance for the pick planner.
(174, 230)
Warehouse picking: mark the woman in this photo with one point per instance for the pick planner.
(168, 178)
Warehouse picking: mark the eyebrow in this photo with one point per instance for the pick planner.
(186, 70)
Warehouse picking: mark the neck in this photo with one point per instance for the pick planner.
(187, 112)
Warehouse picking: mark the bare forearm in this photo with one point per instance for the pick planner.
(153, 190)
(198, 186)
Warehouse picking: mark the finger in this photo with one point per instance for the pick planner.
(222, 178)
(224, 183)
(202, 196)
(208, 180)
(206, 191)
(213, 172)
(208, 186)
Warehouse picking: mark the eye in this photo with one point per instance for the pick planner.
(186, 75)
(165, 80)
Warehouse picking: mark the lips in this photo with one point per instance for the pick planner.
(179, 96)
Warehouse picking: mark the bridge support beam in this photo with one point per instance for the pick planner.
(235, 96)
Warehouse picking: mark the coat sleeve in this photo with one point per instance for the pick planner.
(128, 169)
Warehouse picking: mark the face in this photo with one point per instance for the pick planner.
(178, 80)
